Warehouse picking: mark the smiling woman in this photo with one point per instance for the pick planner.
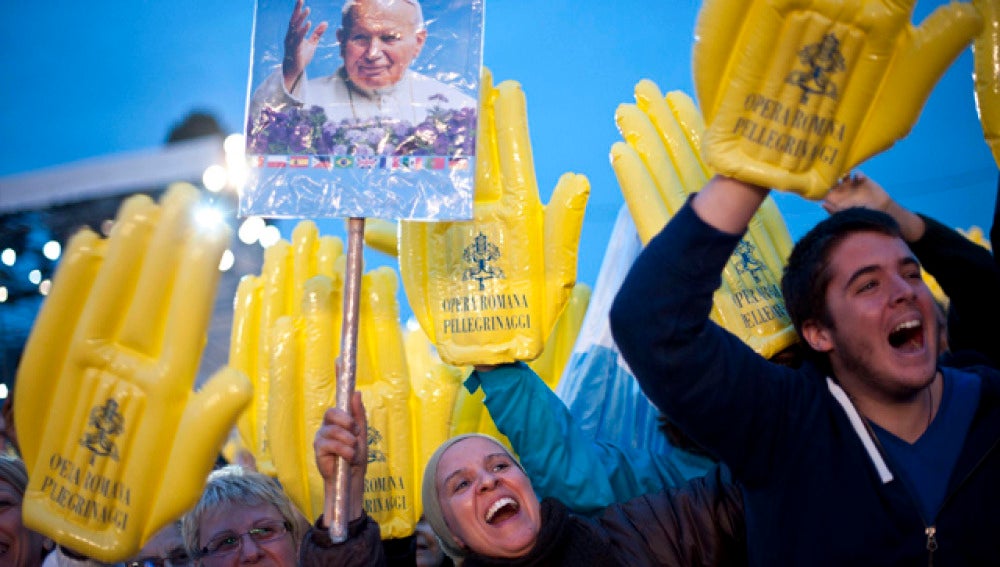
(484, 511)
(242, 516)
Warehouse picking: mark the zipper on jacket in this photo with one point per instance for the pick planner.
(931, 543)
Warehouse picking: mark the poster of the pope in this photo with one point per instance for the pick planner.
(363, 108)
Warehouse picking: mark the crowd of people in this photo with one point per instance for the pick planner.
(897, 451)
(873, 440)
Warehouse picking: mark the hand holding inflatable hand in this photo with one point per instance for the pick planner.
(796, 93)
(489, 291)
(115, 442)
(658, 167)
(287, 333)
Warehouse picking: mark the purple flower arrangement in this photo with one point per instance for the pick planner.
(445, 132)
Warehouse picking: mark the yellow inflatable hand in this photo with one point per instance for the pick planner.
(796, 93)
(987, 73)
(287, 333)
(434, 386)
(382, 235)
(658, 167)
(550, 364)
(471, 416)
(488, 291)
(116, 443)
(260, 302)
(383, 379)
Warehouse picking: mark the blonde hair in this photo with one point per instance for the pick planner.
(235, 485)
(13, 471)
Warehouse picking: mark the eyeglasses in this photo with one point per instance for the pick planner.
(178, 558)
(227, 543)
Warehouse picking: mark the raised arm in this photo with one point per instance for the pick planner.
(564, 462)
(344, 435)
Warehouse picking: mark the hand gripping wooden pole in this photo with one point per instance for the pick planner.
(348, 368)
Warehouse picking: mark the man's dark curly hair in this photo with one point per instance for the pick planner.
(807, 273)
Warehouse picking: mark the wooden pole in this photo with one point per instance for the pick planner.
(348, 369)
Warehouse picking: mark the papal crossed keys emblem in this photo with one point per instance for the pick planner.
(823, 59)
(480, 253)
(106, 422)
(746, 262)
(374, 438)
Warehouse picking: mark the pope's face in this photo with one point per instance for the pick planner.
(382, 41)
(486, 499)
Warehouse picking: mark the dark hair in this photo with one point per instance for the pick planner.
(807, 275)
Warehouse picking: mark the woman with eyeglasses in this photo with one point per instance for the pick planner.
(243, 517)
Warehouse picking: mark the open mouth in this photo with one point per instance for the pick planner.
(501, 510)
(908, 336)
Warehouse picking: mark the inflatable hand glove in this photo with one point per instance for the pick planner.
(658, 167)
(383, 378)
(382, 235)
(434, 387)
(987, 73)
(260, 302)
(796, 93)
(471, 416)
(116, 443)
(489, 291)
(303, 372)
(559, 346)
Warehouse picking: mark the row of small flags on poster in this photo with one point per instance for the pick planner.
(359, 162)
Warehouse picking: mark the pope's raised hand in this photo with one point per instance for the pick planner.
(300, 45)
(658, 167)
(116, 443)
(489, 291)
(796, 93)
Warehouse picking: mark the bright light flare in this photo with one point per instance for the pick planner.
(214, 178)
(251, 229)
(8, 256)
(227, 261)
(208, 217)
(52, 250)
(270, 236)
